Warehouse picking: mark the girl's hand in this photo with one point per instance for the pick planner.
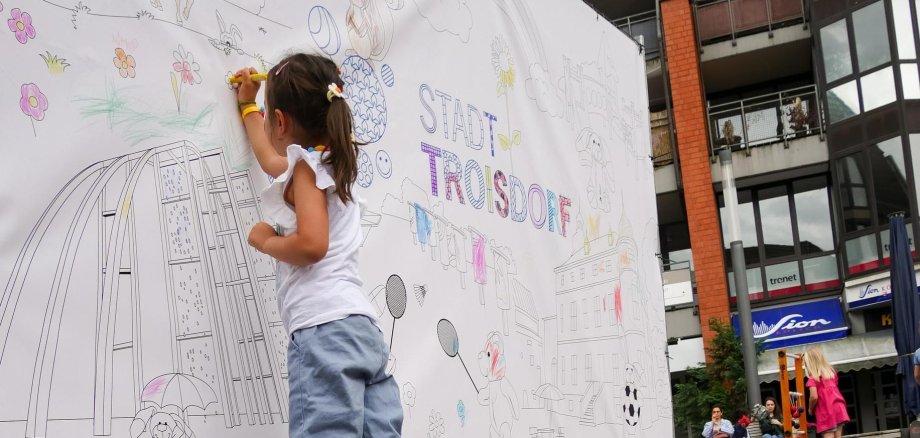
(246, 90)
(259, 234)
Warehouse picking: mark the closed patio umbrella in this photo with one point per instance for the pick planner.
(905, 311)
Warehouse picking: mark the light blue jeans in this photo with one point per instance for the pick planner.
(338, 382)
(770, 436)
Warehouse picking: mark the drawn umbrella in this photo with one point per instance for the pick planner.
(396, 301)
(450, 343)
(550, 393)
(180, 390)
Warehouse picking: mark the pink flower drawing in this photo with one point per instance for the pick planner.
(33, 102)
(21, 25)
(186, 66)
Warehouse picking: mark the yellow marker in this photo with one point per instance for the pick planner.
(255, 77)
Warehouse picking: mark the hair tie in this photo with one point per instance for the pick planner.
(334, 91)
(277, 72)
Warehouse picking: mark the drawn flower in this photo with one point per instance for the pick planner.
(435, 424)
(409, 394)
(502, 64)
(124, 63)
(21, 25)
(186, 66)
(33, 102)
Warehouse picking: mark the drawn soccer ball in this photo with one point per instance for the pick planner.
(631, 407)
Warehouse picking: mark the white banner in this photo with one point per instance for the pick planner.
(509, 197)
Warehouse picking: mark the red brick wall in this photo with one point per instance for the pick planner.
(693, 147)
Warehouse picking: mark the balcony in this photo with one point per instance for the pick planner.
(768, 119)
(729, 19)
(644, 29)
(662, 149)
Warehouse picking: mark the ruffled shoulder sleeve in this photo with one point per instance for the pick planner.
(296, 153)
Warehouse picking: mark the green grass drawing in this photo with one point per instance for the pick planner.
(137, 124)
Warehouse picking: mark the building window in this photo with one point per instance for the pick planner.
(597, 311)
(843, 102)
(562, 370)
(813, 214)
(904, 29)
(561, 318)
(574, 370)
(873, 184)
(871, 32)
(878, 89)
(748, 228)
(790, 229)
(835, 45)
(584, 314)
(573, 322)
(589, 372)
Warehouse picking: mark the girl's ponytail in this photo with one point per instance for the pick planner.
(344, 156)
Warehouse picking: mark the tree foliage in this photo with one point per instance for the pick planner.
(719, 381)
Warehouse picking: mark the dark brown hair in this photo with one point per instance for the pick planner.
(298, 86)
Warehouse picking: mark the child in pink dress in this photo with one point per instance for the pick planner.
(824, 399)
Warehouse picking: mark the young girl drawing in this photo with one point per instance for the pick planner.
(336, 355)
(824, 399)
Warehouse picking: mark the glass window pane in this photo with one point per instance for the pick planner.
(835, 46)
(821, 273)
(854, 193)
(862, 254)
(813, 214)
(871, 35)
(776, 222)
(910, 81)
(886, 243)
(755, 285)
(747, 225)
(915, 159)
(878, 89)
(843, 102)
(903, 29)
(890, 178)
(783, 279)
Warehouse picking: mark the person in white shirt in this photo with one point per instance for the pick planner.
(718, 427)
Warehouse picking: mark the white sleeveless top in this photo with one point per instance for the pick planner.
(331, 289)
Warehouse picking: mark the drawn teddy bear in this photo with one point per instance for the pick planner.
(498, 394)
(152, 423)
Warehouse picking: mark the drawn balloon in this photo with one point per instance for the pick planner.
(384, 165)
(386, 73)
(324, 31)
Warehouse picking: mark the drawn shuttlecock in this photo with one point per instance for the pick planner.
(420, 291)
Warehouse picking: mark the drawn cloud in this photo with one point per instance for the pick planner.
(451, 16)
(540, 89)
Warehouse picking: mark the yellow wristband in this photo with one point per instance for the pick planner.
(249, 110)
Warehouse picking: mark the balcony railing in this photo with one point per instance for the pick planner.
(644, 25)
(662, 149)
(771, 118)
(724, 19)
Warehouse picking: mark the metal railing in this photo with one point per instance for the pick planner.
(662, 149)
(723, 19)
(771, 118)
(644, 25)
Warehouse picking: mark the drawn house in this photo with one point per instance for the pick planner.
(153, 276)
(598, 314)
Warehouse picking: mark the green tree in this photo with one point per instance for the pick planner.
(719, 381)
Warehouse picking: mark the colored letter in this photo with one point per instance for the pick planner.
(470, 111)
(552, 210)
(489, 190)
(460, 122)
(434, 120)
(433, 153)
(444, 99)
(473, 170)
(563, 214)
(491, 118)
(518, 200)
(539, 203)
(502, 209)
(452, 171)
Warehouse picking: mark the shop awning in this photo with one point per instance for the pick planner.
(857, 352)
